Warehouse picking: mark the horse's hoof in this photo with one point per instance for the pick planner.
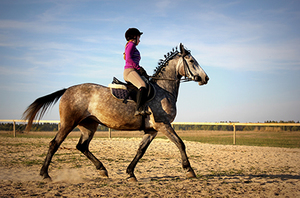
(47, 179)
(131, 179)
(103, 173)
(191, 174)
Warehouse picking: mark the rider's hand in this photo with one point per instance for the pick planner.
(143, 72)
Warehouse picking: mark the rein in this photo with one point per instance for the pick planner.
(157, 78)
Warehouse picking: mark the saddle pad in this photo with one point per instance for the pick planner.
(120, 93)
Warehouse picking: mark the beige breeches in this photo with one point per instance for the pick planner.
(130, 75)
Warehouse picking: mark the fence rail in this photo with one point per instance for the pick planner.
(23, 121)
(234, 124)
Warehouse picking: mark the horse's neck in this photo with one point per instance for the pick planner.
(170, 72)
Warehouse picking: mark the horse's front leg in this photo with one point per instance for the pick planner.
(168, 131)
(147, 139)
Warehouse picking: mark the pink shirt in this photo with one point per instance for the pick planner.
(132, 56)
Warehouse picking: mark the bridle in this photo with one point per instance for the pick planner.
(188, 74)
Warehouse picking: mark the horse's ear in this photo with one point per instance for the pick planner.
(182, 50)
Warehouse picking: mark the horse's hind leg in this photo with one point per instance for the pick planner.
(88, 128)
(53, 146)
(147, 139)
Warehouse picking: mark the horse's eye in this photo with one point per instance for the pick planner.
(192, 61)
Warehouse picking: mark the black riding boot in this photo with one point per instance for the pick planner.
(141, 98)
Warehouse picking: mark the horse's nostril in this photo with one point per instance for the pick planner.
(197, 78)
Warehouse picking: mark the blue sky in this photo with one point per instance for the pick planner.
(249, 49)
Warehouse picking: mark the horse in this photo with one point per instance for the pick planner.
(87, 105)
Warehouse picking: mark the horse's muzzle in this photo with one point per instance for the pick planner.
(199, 79)
(206, 79)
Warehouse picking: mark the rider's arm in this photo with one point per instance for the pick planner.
(130, 48)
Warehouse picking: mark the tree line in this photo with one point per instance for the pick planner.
(54, 127)
(40, 127)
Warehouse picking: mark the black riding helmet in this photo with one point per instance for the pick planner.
(131, 33)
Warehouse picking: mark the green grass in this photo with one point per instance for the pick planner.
(27, 135)
(32, 162)
(268, 139)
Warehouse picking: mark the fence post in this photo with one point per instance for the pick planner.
(234, 134)
(14, 128)
(109, 133)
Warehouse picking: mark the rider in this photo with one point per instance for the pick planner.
(133, 71)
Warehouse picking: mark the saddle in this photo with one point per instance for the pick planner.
(127, 91)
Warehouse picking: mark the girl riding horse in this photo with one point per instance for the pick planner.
(133, 71)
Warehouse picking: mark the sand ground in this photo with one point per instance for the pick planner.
(222, 170)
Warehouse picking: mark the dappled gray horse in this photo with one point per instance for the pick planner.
(87, 105)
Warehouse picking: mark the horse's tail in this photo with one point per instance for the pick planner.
(39, 107)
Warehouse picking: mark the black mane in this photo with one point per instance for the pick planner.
(163, 63)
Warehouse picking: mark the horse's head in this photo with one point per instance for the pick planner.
(190, 68)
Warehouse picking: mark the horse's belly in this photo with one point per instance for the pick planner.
(114, 113)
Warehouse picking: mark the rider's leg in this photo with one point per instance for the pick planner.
(140, 101)
(132, 76)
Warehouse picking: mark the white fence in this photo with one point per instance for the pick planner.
(173, 123)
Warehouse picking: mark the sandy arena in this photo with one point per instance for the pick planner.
(223, 171)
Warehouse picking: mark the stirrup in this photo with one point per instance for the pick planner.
(137, 113)
(142, 112)
(146, 112)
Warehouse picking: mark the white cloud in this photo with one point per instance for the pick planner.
(250, 58)
(162, 4)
